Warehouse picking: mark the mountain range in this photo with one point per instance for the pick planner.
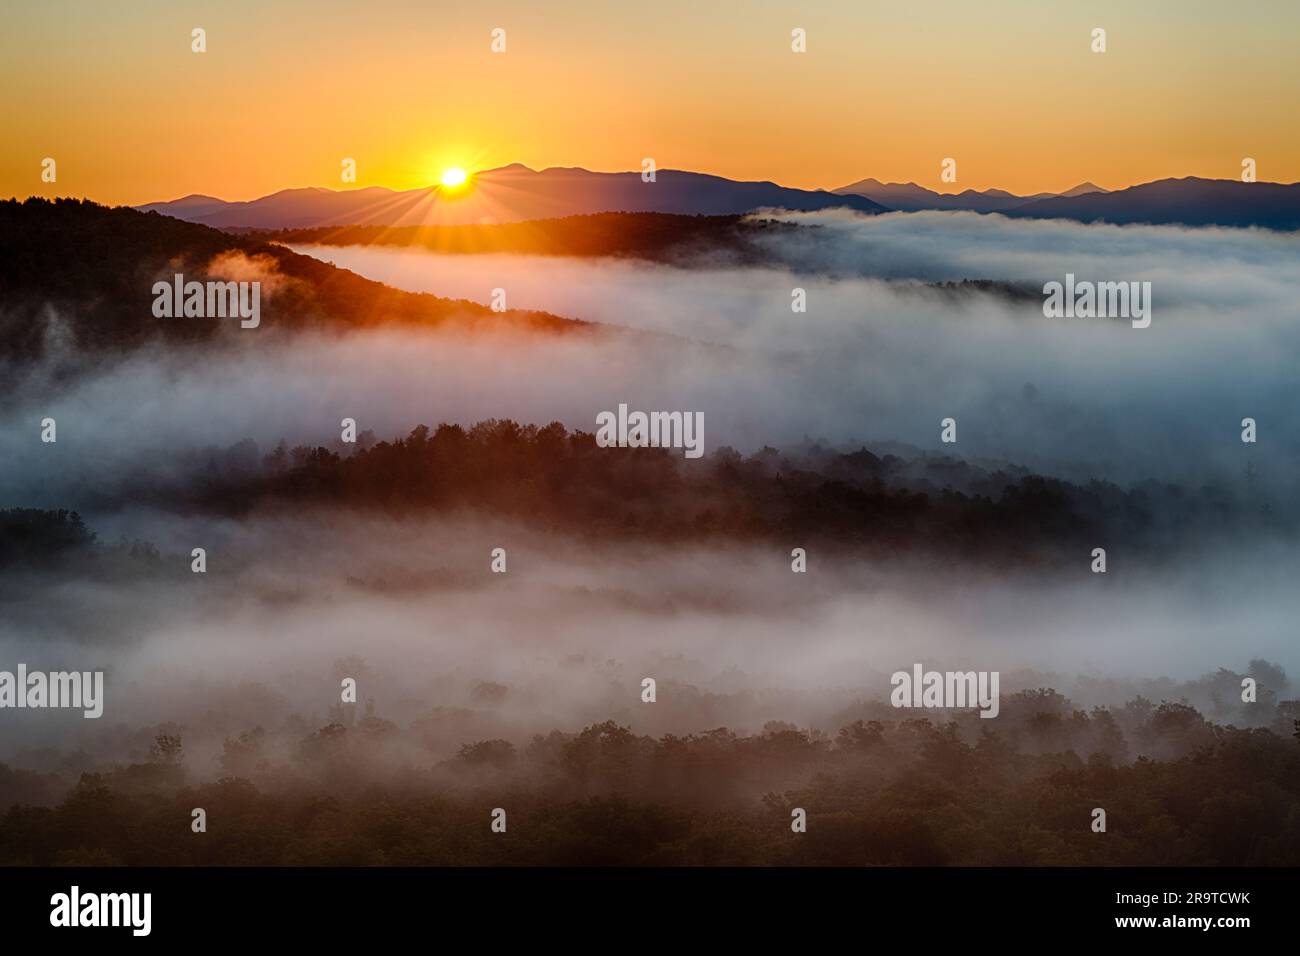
(1190, 201)
(909, 197)
(515, 193)
(512, 193)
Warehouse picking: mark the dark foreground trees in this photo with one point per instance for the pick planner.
(911, 792)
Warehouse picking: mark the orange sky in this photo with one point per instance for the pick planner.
(286, 90)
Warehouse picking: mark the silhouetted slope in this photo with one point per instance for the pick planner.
(659, 237)
(89, 271)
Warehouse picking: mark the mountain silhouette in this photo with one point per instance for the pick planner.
(1083, 189)
(515, 193)
(512, 193)
(1190, 201)
(909, 197)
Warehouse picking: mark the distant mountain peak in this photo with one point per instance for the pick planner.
(1083, 189)
(194, 199)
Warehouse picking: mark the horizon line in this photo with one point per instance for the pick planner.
(434, 186)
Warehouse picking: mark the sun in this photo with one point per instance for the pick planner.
(454, 177)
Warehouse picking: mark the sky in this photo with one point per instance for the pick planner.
(407, 88)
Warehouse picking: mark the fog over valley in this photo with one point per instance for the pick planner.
(404, 494)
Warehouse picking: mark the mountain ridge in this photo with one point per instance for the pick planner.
(506, 194)
(1186, 200)
(911, 197)
(516, 193)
